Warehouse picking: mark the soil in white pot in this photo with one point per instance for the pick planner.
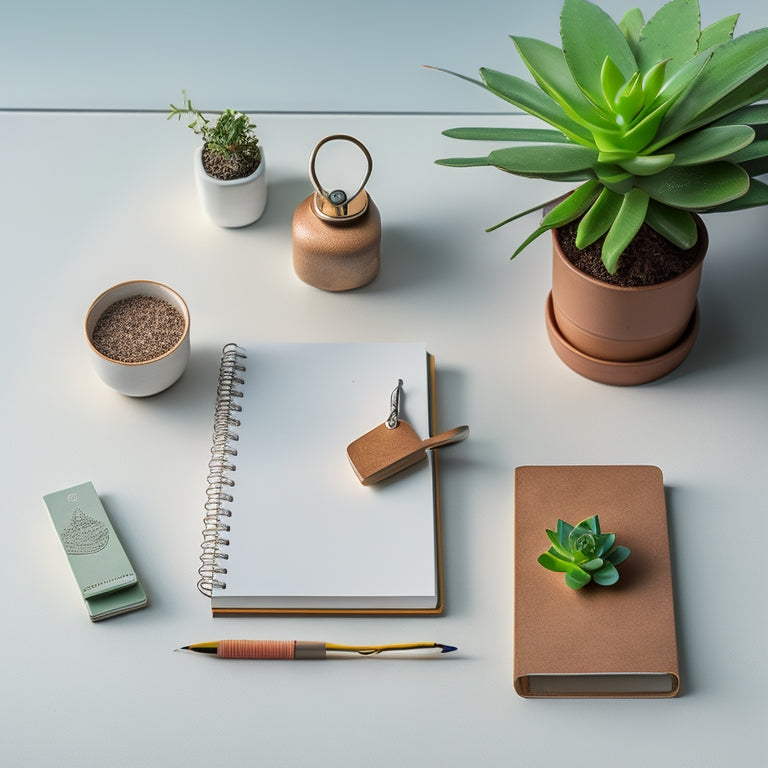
(228, 168)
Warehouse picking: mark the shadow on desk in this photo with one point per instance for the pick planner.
(732, 299)
(195, 392)
(733, 316)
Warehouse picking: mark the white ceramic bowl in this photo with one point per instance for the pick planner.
(143, 378)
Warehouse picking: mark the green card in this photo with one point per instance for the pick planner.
(96, 556)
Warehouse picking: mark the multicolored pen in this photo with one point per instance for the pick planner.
(301, 649)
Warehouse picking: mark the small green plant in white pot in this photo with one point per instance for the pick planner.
(654, 123)
(230, 169)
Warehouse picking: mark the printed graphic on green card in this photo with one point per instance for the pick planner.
(96, 556)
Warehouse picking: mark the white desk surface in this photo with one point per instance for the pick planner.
(91, 200)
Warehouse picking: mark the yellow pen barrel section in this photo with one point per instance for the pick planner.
(371, 650)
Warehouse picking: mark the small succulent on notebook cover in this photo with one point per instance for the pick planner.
(231, 146)
(584, 553)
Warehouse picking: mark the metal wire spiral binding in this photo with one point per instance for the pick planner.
(218, 495)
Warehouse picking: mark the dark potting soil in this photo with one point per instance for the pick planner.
(228, 168)
(649, 259)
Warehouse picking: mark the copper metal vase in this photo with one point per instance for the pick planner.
(336, 237)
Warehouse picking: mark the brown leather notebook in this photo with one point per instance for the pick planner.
(617, 641)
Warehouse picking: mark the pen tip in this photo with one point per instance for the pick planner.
(446, 648)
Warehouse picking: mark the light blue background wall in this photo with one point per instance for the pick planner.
(289, 55)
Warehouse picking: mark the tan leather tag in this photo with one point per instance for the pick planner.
(383, 452)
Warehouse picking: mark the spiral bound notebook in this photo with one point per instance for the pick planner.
(289, 528)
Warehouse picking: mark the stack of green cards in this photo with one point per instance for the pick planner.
(103, 572)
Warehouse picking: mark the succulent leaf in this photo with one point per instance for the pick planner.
(559, 549)
(675, 224)
(576, 578)
(756, 195)
(731, 64)
(534, 101)
(533, 209)
(631, 26)
(563, 532)
(472, 80)
(607, 575)
(629, 100)
(647, 165)
(753, 89)
(583, 553)
(677, 84)
(615, 178)
(698, 187)
(718, 33)
(556, 158)
(464, 162)
(547, 65)
(553, 563)
(671, 33)
(569, 209)
(710, 144)
(537, 233)
(507, 134)
(593, 523)
(755, 150)
(641, 134)
(611, 81)
(588, 35)
(625, 226)
(653, 80)
(619, 555)
(755, 114)
(598, 219)
(608, 540)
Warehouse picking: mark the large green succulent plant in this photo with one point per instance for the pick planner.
(584, 553)
(656, 120)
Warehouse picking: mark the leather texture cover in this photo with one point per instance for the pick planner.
(616, 641)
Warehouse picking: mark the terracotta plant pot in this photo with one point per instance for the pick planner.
(619, 335)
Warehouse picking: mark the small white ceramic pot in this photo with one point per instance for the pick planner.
(233, 203)
(147, 377)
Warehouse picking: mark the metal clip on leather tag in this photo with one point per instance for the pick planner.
(394, 446)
